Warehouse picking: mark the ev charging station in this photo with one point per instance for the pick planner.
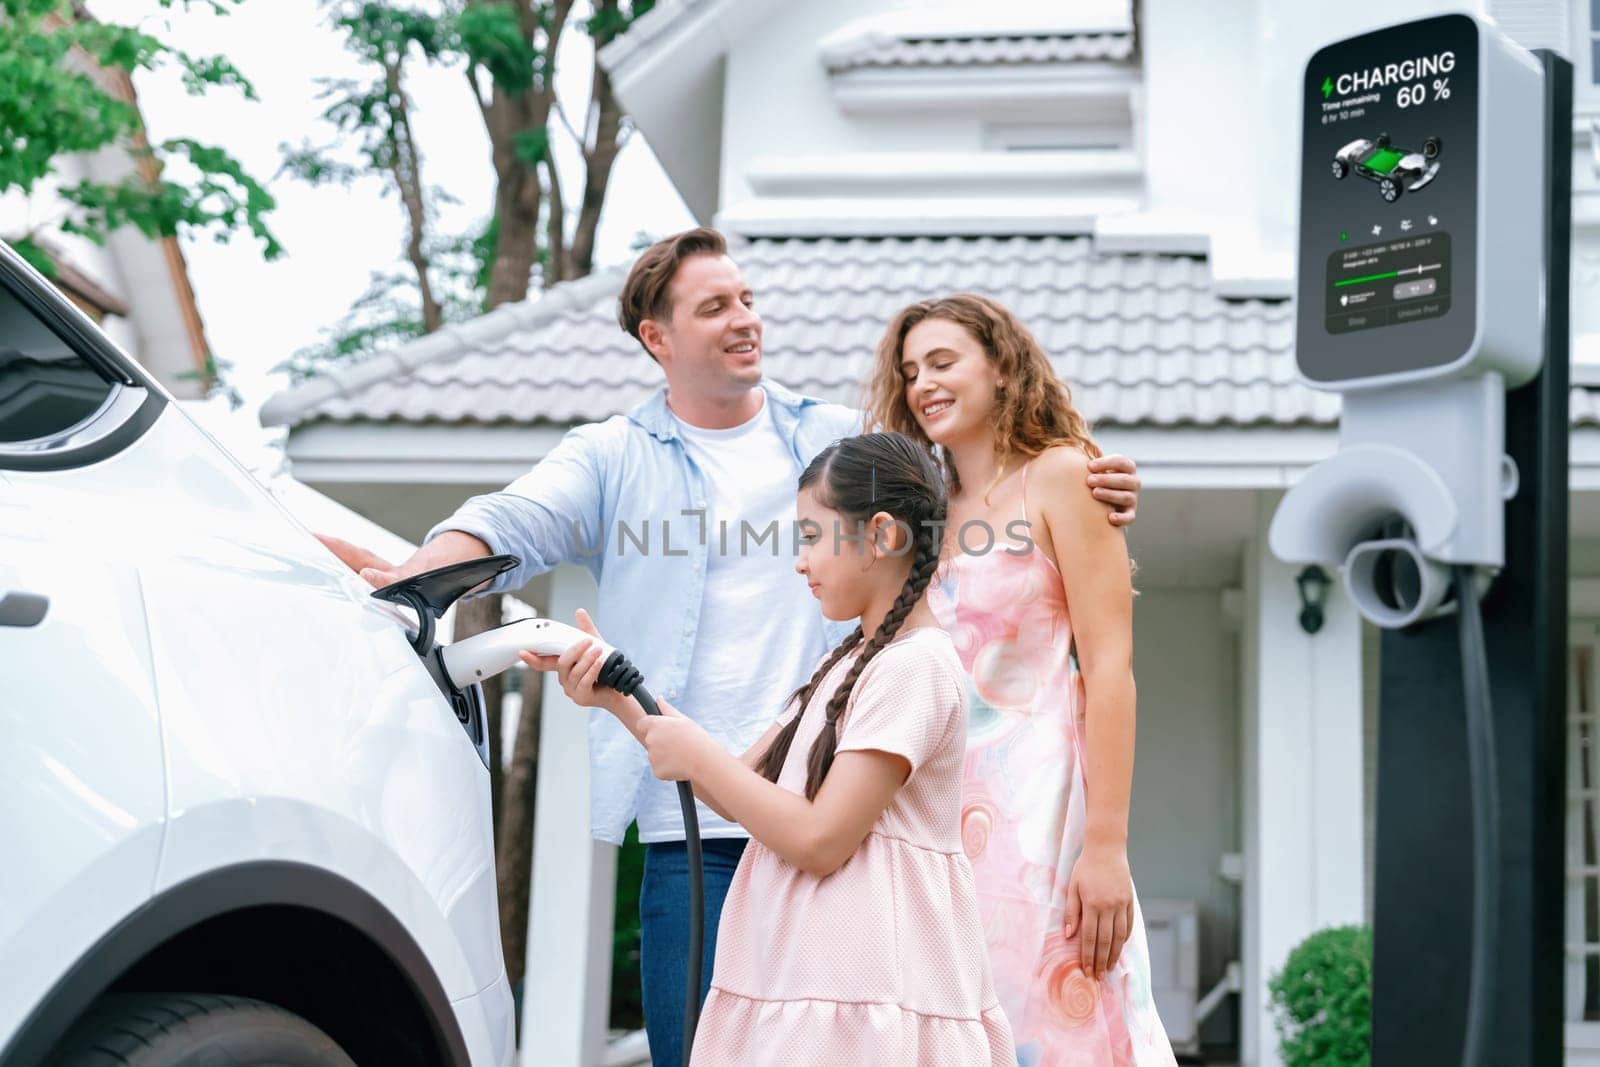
(1432, 294)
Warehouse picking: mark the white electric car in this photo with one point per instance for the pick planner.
(239, 820)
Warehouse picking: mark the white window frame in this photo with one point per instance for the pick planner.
(1584, 34)
(1581, 1037)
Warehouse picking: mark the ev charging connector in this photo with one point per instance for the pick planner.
(1420, 300)
(459, 668)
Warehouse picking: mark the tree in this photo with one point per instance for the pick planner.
(510, 48)
(374, 138)
(506, 50)
(65, 88)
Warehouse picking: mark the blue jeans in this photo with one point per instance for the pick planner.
(664, 935)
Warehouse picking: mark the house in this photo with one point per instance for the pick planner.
(135, 287)
(1121, 174)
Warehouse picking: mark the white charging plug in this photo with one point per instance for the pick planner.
(487, 654)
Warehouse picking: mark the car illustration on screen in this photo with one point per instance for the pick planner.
(1395, 170)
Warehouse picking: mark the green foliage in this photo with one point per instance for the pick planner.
(220, 197)
(531, 145)
(52, 105)
(627, 998)
(37, 257)
(219, 373)
(378, 31)
(370, 116)
(483, 36)
(490, 35)
(1322, 1000)
(610, 20)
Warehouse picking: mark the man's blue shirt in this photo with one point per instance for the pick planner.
(632, 471)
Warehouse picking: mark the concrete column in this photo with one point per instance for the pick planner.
(1302, 765)
(568, 985)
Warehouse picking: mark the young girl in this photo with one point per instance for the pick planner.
(850, 934)
(1049, 761)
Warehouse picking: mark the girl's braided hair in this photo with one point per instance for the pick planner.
(859, 477)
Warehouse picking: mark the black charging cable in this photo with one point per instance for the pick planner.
(625, 678)
(1485, 822)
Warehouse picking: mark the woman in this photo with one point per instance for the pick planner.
(1035, 588)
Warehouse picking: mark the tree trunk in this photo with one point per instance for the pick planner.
(597, 171)
(406, 167)
(514, 852)
(556, 263)
(474, 617)
(518, 196)
(516, 206)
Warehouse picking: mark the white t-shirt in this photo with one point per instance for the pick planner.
(760, 627)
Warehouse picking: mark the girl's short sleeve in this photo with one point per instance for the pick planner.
(903, 703)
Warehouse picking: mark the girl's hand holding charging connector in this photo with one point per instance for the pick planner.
(578, 670)
(676, 744)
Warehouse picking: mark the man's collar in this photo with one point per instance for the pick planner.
(654, 415)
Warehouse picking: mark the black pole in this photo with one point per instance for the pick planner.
(1422, 907)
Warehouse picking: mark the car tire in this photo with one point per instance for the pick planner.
(1431, 147)
(1340, 169)
(192, 1030)
(1390, 190)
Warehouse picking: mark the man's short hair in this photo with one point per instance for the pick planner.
(645, 295)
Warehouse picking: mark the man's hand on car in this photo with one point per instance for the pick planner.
(452, 546)
(377, 571)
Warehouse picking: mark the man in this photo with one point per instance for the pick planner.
(709, 610)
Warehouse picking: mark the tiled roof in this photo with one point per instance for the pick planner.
(1142, 338)
(887, 50)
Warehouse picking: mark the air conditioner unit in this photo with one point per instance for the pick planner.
(1172, 929)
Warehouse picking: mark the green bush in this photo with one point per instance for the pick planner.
(627, 1000)
(1322, 1000)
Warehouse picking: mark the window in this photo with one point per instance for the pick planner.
(45, 387)
(1583, 831)
(1592, 42)
(1584, 51)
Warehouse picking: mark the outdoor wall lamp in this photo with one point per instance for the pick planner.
(1313, 582)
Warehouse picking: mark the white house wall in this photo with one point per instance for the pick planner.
(1302, 774)
(567, 995)
(145, 280)
(797, 116)
(1199, 64)
(1185, 813)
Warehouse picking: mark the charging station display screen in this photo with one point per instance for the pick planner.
(1388, 201)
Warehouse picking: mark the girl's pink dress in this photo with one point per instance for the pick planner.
(1022, 816)
(882, 961)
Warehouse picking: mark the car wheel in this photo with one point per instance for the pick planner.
(1340, 168)
(1389, 189)
(193, 1030)
(1430, 148)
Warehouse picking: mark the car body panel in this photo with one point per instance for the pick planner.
(81, 765)
(279, 677)
(489, 1021)
(211, 688)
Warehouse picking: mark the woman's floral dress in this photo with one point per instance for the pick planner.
(1023, 811)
